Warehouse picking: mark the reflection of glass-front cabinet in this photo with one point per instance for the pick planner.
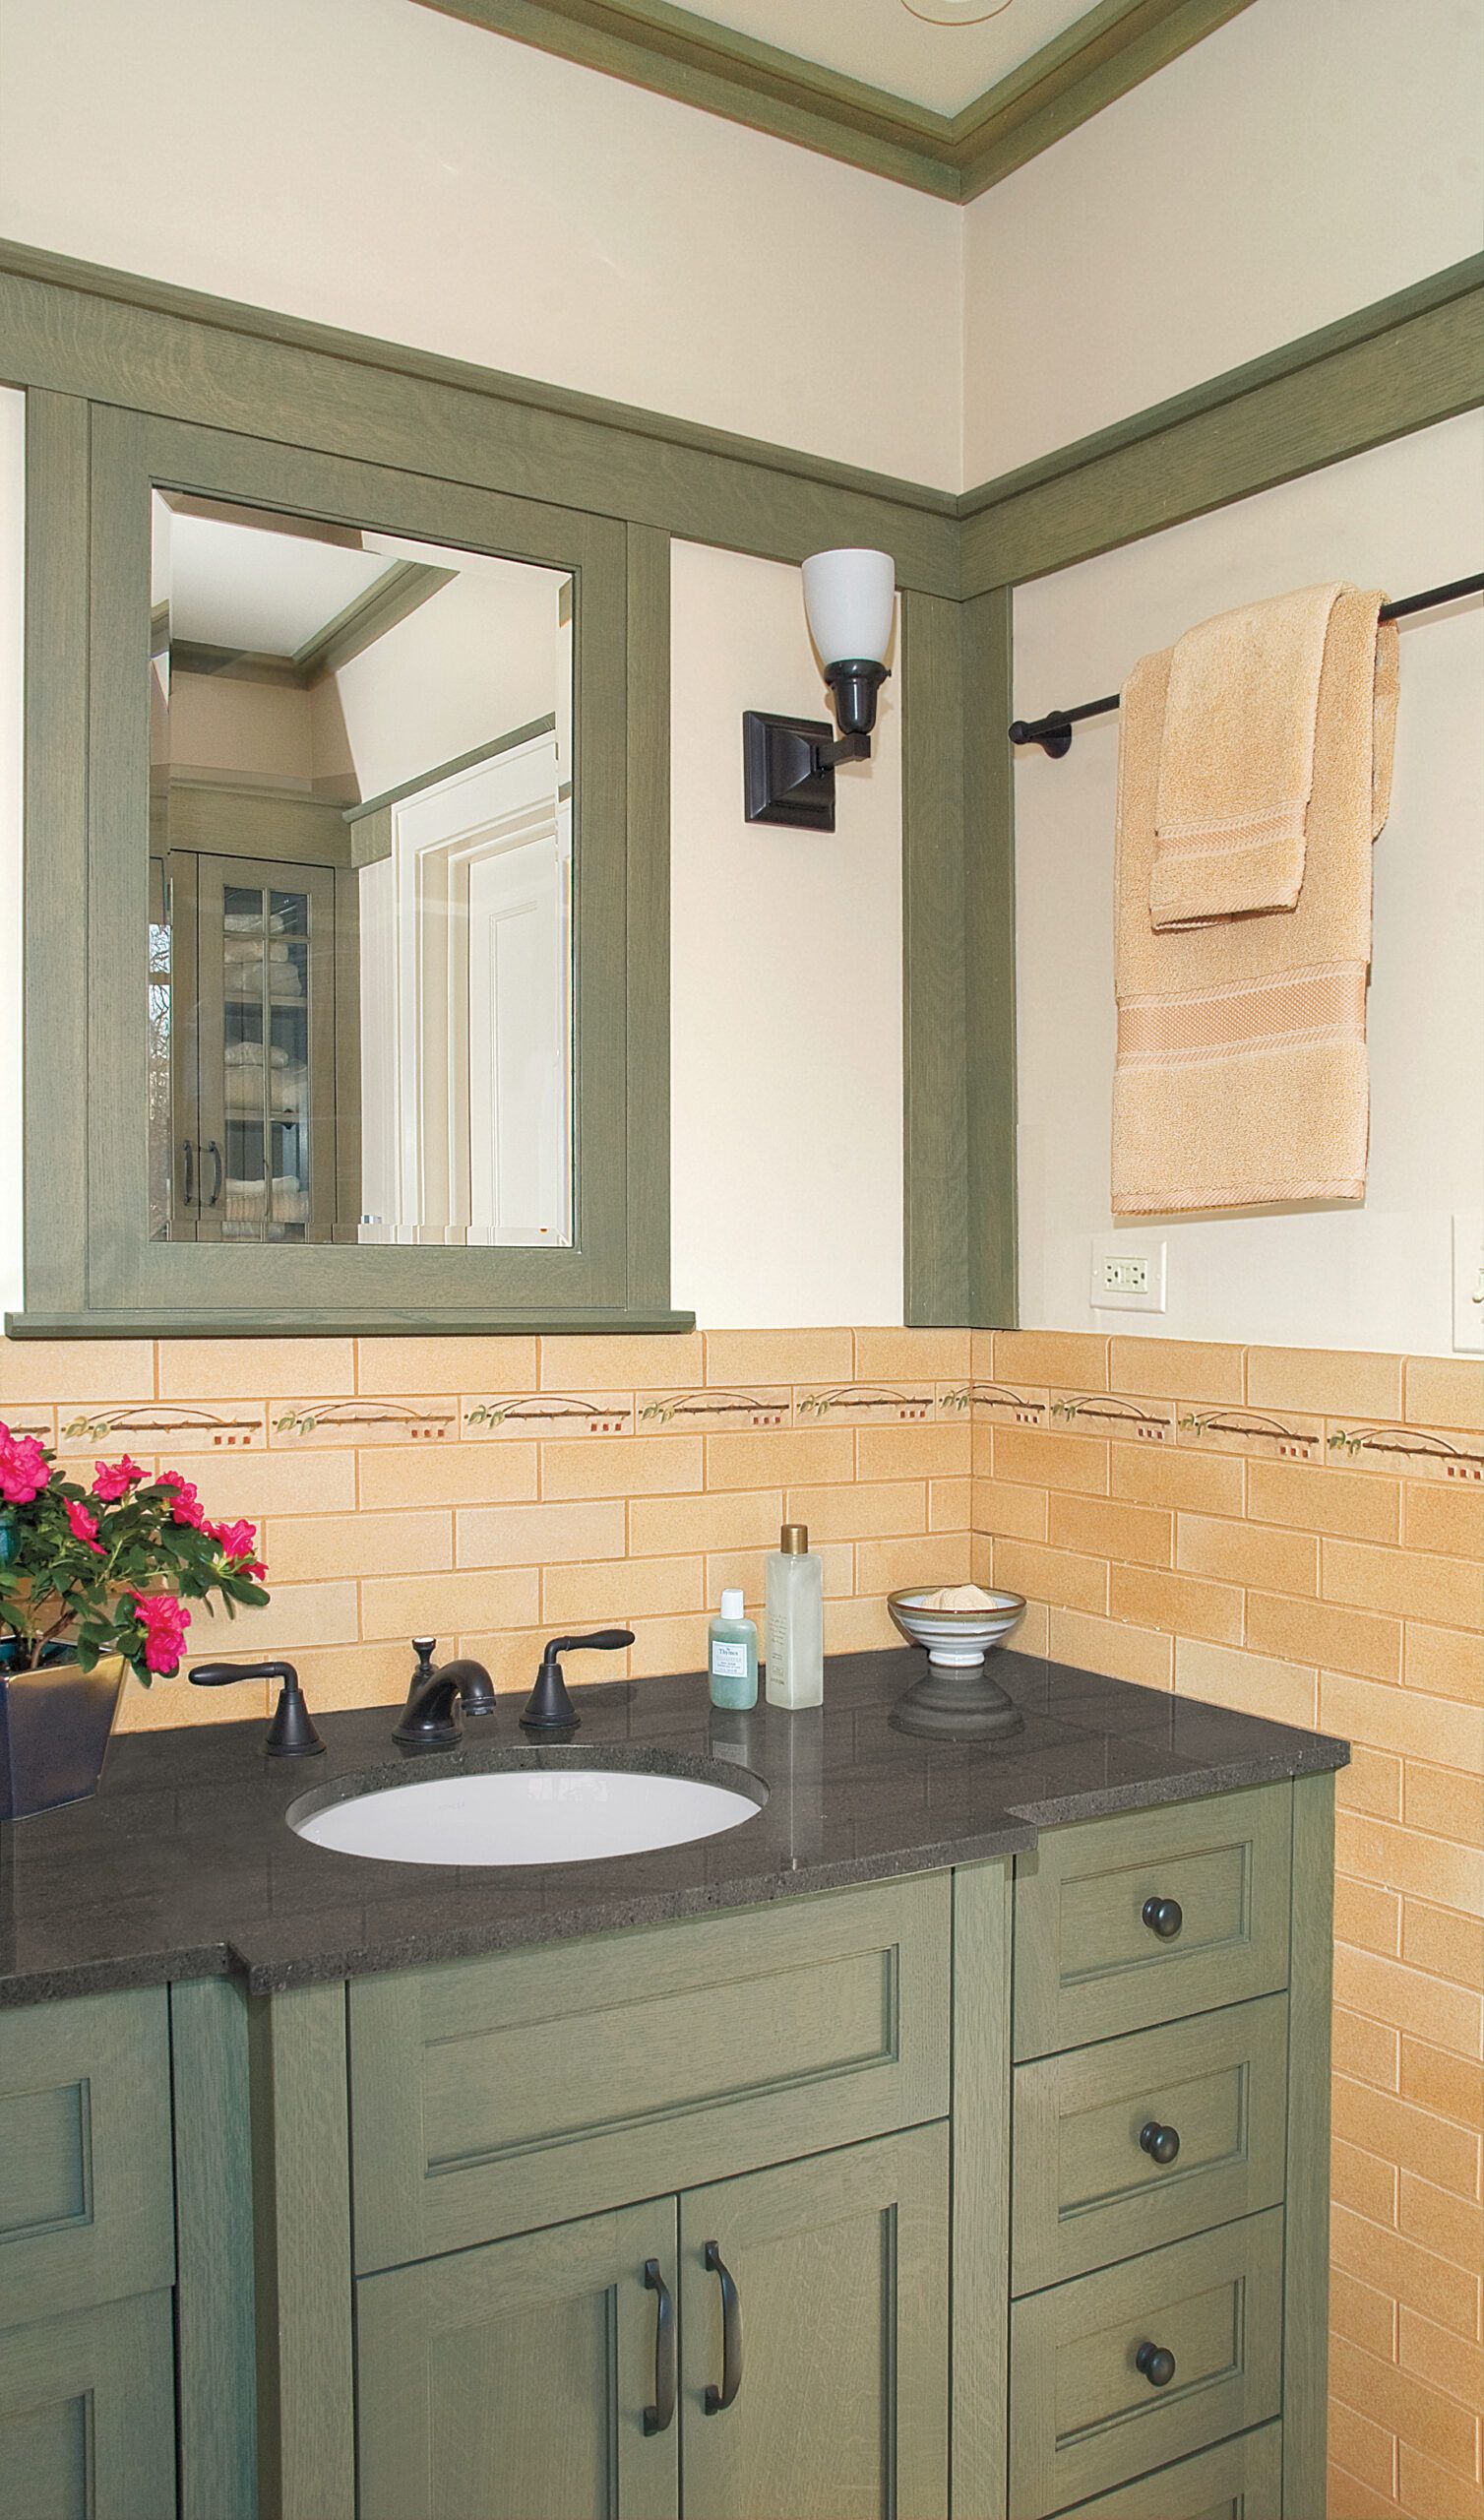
(254, 1010)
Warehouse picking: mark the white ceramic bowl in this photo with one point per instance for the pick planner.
(960, 1639)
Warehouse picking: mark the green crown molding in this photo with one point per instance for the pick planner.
(676, 53)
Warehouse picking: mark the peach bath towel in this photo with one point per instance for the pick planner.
(1241, 1077)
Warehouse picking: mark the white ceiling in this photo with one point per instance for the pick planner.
(234, 585)
(883, 44)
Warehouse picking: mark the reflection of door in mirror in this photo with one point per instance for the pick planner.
(360, 886)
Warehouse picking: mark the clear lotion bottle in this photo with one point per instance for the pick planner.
(795, 1621)
(732, 1656)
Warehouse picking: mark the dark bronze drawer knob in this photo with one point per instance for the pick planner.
(1158, 2364)
(1163, 1916)
(1161, 2143)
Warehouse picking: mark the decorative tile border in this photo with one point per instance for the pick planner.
(1411, 1452)
(167, 1426)
(548, 1413)
(363, 1422)
(865, 1404)
(1245, 1430)
(710, 1410)
(1146, 1422)
(996, 1402)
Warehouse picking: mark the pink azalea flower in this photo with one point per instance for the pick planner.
(164, 1621)
(187, 1507)
(24, 1468)
(82, 1526)
(237, 1541)
(116, 1479)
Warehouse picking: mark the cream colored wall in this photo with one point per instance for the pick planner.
(478, 658)
(1309, 158)
(1379, 1276)
(372, 164)
(785, 983)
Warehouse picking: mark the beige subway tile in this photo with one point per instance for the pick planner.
(1442, 1941)
(650, 1360)
(1450, 1519)
(1413, 2138)
(1446, 1802)
(531, 1535)
(858, 1626)
(796, 1457)
(673, 1525)
(1328, 1382)
(1366, 2317)
(1092, 1644)
(1445, 1660)
(1187, 1605)
(1347, 2498)
(666, 1646)
(1132, 1535)
(1360, 2184)
(485, 1599)
(1372, 1783)
(614, 1592)
(1348, 1504)
(1256, 1683)
(983, 1450)
(1415, 1726)
(866, 1509)
(1324, 1633)
(1449, 2361)
(1367, 1917)
(1013, 1513)
(1427, 1868)
(337, 1676)
(780, 1356)
(167, 1704)
(444, 1474)
(256, 1368)
(1446, 1391)
(729, 1568)
(512, 1656)
(1413, 2275)
(1429, 2491)
(259, 1484)
(1177, 1368)
(1367, 2454)
(1051, 1575)
(950, 1504)
(1369, 2051)
(1405, 1583)
(297, 1614)
(1451, 2086)
(1043, 1457)
(1034, 1633)
(1406, 2406)
(1439, 2219)
(58, 1371)
(1279, 1562)
(981, 1354)
(980, 1549)
(623, 1466)
(313, 1547)
(911, 1355)
(1072, 1360)
(1162, 1475)
(914, 1452)
(393, 1366)
(890, 1565)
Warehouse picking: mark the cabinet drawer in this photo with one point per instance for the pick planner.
(1241, 2480)
(87, 2414)
(1084, 2416)
(87, 2212)
(1088, 2192)
(1091, 1960)
(496, 2096)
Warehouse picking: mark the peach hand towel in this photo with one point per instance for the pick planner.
(1236, 764)
(1241, 1077)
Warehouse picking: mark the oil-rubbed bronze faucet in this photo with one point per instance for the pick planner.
(549, 1707)
(292, 1734)
(428, 1719)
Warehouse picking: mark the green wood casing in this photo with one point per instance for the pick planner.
(983, 1952)
(87, 2414)
(215, 2350)
(1306, 2253)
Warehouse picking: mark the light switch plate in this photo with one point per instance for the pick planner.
(1128, 1274)
(1469, 1283)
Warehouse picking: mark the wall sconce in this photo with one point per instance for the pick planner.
(788, 763)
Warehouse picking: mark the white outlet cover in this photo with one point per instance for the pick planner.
(1468, 1282)
(1121, 1249)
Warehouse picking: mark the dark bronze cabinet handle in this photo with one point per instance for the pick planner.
(1158, 2364)
(1163, 1916)
(731, 2334)
(661, 2415)
(187, 1173)
(215, 1152)
(1161, 2143)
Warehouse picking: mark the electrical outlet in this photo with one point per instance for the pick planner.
(1469, 1283)
(1127, 1276)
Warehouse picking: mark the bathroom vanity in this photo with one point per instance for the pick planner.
(950, 2138)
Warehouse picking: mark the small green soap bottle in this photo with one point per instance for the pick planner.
(732, 1659)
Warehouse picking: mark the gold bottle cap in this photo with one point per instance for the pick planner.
(793, 1540)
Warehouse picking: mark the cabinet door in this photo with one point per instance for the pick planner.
(512, 2382)
(837, 2272)
(87, 2414)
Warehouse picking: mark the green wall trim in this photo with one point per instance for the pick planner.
(265, 1321)
(676, 53)
(1306, 2220)
(301, 2230)
(217, 2407)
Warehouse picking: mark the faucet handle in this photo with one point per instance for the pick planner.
(292, 1734)
(549, 1707)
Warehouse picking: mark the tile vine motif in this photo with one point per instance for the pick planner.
(157, 1426)
(862, 1399)
(365, 1422)
(1416, 1451)
(997, 1399)
(1131, 1418)
(766, 1408)
(551, 1412)
(1248, 1433)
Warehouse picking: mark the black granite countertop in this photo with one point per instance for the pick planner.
(183, 1866)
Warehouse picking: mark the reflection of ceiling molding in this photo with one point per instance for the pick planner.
(403, 587)
(676, 53)
(235, 664)
(304, 529)
(450, 769)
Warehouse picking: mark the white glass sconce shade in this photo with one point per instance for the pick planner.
(849, 598)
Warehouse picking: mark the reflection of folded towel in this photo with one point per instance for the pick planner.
(290, 1201)
(249, 922)
(250, 1054)
(243, 1202)
(254, 949)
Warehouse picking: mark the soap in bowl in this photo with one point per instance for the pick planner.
(955, 1699)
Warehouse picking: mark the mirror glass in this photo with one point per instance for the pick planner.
(360, 886)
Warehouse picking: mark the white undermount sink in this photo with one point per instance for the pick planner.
(507, 1816)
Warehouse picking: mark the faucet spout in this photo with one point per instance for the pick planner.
(436, 1697)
